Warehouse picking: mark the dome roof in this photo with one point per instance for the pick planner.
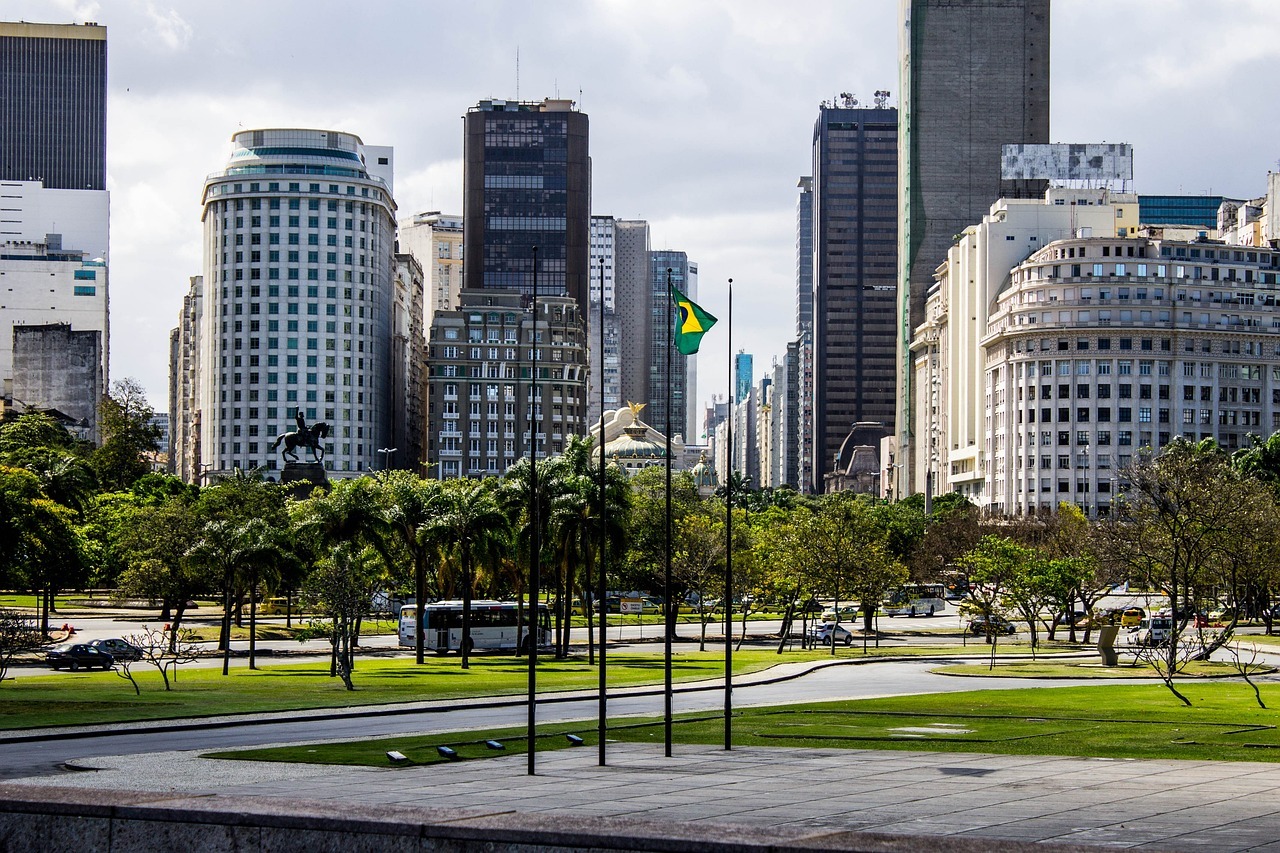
(635, 444)
(703, 474)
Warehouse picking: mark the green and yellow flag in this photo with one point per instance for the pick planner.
(692, 324)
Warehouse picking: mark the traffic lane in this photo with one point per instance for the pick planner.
(830, 683)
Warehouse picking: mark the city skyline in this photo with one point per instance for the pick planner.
(676, 97)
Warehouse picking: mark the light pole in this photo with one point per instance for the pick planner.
(386, 456)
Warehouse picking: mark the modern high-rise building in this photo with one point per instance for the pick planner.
(435, 239)
(1201, 210)
(633, 291)
(742, 373)
(299, 244)
(408, 367)
(184, 386)
(604, 365)
(669, 269)
(855, 167)
(804, 256)
(975, 76)
(53, 105)
(55, 227)
(482, 402)
(526, 185)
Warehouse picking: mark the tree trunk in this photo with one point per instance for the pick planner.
(420, 605)
(253, 621)
(466, 607)
(225, 639)
(178, 613)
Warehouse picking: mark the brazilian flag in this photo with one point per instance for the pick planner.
(692, 325)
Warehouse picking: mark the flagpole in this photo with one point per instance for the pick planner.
(728, 553)
(535, 541)
(602, 725)
(669, 622)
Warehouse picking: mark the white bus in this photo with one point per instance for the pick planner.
(493, 626)
(915, 599)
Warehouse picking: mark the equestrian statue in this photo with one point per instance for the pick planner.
(309, 437)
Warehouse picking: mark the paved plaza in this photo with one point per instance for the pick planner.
(1162, 805)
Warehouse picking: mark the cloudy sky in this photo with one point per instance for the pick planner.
(701, 114)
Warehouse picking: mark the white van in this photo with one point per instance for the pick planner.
(1151, 631)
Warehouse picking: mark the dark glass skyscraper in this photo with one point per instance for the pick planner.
(527, 183)
(662, 335)
(855, 263)
(804, 257)
(975, 76)
(53, 105)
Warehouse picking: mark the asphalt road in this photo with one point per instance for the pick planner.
(45, 756)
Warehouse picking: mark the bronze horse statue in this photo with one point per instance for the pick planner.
(304, 436)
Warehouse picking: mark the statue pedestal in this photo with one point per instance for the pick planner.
(303, 478)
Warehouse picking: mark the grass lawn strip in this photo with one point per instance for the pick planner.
(1087, 669)
(1104, 721)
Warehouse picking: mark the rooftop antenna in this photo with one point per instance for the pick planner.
(881, 96)
(517, 74)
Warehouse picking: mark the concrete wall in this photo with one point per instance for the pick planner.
(52, 819)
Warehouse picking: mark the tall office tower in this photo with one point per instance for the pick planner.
(742, 373)
(603, 308)
(854, 274)
(633, 290)
(184, 386)
(55, 230)
(53, 105)
(661, 327)
(299, 239)
(481, 402)
(435, 239)
(788, 397)
(975, 76)
(804, 256)
(408, 369)
(527, 184)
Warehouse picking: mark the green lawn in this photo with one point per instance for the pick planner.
(67, 698)
(1085, 668)
(1109, 721)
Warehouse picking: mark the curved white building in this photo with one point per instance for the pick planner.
(1102, 348)
(299, 238)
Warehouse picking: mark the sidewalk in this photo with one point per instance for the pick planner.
(1164, 805)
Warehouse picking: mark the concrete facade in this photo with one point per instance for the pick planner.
(947, 356)
(480, 402)
(435, 239)
(1102, 348)
(634, 292)
(299, 281)
(44, 285)
(184, 386)
(408, 370)
(61, 367)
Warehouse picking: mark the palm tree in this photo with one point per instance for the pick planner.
(411, 504)
(474, 525)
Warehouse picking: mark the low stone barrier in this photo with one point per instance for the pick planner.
(41, 820)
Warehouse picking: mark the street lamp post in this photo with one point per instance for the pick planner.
(386, 456)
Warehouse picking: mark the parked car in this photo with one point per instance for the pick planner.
(827, 633)
(982, 626)
(1132, 616)
(847, 611)
(118, 649)
(1075, 617)
(76, 655)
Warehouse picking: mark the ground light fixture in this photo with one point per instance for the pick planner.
(447, 752)
(493, 744)
(574, 740)
(396, 757)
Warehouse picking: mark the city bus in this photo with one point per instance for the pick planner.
(493, 626)
(915, 599)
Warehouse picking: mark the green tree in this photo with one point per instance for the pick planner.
(340, 587)
(698, 563)
(411, 505)
(475, 526)
(39, 547)
(128, 436)
(154, 545)
(995, 567)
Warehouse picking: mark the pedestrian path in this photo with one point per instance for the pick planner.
(1164, 805)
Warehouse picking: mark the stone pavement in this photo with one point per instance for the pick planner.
(1160, 805)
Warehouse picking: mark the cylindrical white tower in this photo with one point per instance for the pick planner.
(299, 238)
